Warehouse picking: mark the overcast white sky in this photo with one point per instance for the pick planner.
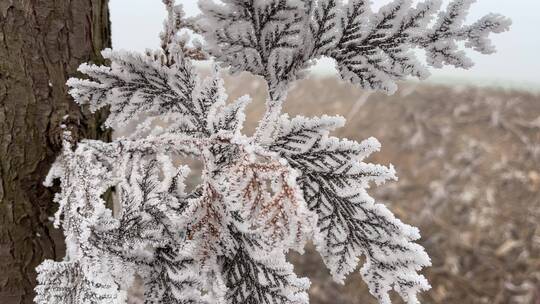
(136, 24)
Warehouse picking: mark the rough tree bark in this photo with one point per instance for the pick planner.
(42, 42)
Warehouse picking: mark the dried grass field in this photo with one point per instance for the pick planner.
(468, 161)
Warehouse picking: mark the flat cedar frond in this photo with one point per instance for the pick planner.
(370, 48)
(70, 282)
(272, 202)
(261, 196)
(207, 224)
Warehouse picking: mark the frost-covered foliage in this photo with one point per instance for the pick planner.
(261, 196)
(278, 39)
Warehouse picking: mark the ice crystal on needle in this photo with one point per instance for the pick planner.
(261, 196)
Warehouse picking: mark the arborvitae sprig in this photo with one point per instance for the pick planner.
(279, 39)
(261, 196)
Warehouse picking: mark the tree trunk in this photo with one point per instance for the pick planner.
(42, 42)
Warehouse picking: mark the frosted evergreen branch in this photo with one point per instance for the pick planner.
(350, 224)
(174, 278)
(67, 282)
(174, 38)
(260, 276)
(134, 85)
(370, 48)
(226, 240)
(280, 39)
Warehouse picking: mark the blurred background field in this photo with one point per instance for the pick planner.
(468, 161)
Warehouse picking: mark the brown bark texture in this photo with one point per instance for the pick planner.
(42, 42)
